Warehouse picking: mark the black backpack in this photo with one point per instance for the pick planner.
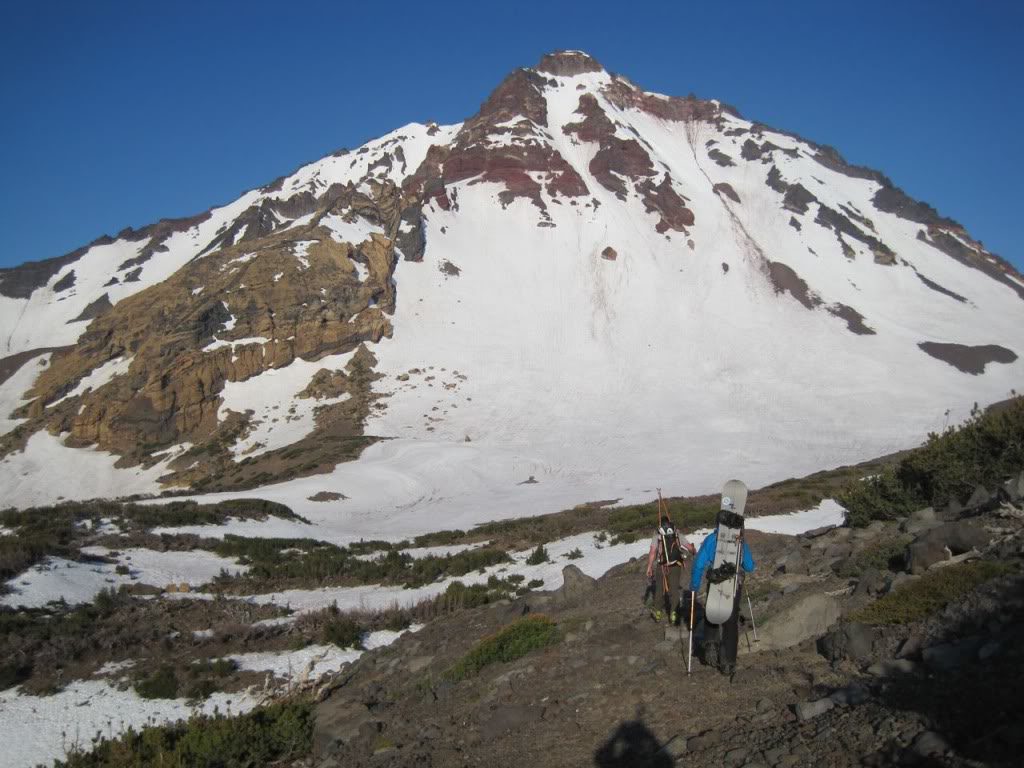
(668, 546)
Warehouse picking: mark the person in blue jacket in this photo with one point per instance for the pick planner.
(720, 640)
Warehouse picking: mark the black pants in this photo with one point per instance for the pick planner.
(721, 641)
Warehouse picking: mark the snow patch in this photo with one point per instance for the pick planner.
(48, 726)
(57, 578)
(13, 390)
(357, 231)
(98, 377)
(218, 343)
(95, 475)
(275, 423)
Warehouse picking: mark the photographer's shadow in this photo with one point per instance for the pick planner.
(633, 745)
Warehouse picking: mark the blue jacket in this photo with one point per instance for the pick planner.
(706, 556)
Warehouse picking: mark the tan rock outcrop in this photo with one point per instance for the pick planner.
(294, 293)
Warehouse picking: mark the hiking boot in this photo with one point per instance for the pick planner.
(657, 615)
(674, 618)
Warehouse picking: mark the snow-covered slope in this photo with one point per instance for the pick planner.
(600, 287)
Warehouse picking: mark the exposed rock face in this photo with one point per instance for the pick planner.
(19, 282)
(518, 100)
(299, 294)
(94, 309)
(568, 63)
(969, 359)
(724, 188)
(786, 280)
(621, 160)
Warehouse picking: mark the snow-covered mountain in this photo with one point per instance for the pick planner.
(600, 287)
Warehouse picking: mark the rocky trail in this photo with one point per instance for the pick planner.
(828, 683)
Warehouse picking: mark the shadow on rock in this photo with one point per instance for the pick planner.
(973, 693)
(633, 745)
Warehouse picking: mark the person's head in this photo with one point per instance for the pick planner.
(666, 523)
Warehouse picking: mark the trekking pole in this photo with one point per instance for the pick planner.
(689, 652)
(750, 607)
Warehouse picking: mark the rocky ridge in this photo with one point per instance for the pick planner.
(818, 687)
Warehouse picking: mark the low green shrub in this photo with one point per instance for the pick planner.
(922, 597)
(458, 596)
(884, 556)
(511, 643)
(265, 736)
(162, 684)
(344, 632)
(14, 673)
(206, 677)
(273, 562)
(986, 448)
(426, 570)
(881, 497)
(214, 667)
(538, 556)
(574, 554)
(629, 523)
(439, 538)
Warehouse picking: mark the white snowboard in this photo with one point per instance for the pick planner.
(722, 594)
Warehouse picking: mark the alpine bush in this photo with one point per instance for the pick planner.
(265, 736)
(162, 684)
(538, 556)
(885, 556)
(511, 643)
(344, 632)
(922, 597)
(982, 451)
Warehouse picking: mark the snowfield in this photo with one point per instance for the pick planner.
(59, 579)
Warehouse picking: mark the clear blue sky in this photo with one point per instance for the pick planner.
(117, 114)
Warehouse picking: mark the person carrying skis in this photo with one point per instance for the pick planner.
(670, 552)
(720, 640)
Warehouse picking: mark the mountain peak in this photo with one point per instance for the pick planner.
(574, 209)
(568, 63)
